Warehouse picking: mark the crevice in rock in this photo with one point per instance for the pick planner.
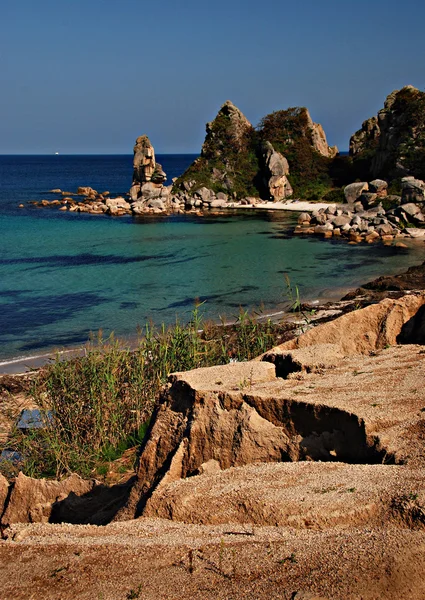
(413, 331)
(323, 433)
(4, 508)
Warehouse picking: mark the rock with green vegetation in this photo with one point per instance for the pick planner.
(392, 144)
(303, 143)
(287, 153)
(228, 161)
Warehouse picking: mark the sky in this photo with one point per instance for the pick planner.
(89, 76)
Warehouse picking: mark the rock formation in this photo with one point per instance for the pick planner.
(215, 418)
(238, 160)
(393, 143)
(148, 193)
(227, 132)
(276, 169)
(32, 500)
(286, 473)
(319, 141)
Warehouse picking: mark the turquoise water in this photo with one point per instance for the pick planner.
(61, 279)
(63, 276)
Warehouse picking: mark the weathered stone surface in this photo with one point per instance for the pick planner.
(410, 209)
(368, 133)
(143, 161)
(4, 490)
(276, 169)
(415, 233)
(32, 500)
(323, 229)
(86, 191)
(413, 190)
(340, 221)
(319, 140)
(362, 331)
(204, 194)
(158, 176)
(217, 203)
(285, 494)
(378, 186)
(385, 229)
(304, 218)
(354, 190)
(393, 143)
(117, 203)
(238, 413)
(368, 199)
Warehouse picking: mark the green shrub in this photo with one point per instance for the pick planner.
(101, 402)
(335, 195)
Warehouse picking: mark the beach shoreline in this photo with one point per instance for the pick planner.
(331, 301)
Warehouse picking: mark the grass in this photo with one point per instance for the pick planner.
(98, 405)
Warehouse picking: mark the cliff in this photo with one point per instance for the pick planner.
(392, 144)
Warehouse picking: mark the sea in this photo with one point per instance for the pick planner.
(64, 277)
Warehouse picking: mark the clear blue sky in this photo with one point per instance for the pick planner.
(89, 76)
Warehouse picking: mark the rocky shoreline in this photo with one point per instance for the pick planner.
(287, 154)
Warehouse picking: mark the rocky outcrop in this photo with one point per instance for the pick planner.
(143, 161)
(238, 160)
(228, 131)
(276, 169)
(33, 500)
(148, 193)
(319, 141)
(393, 143)
(358, 332)
(220, 417)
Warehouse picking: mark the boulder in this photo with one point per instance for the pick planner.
(86, 191)
(304, 218)
(205, 194)
(116, 203)
(379, 187)
(385, 229)
(158, 176)
(323, 229)
(222, 196)
(415, 233)
(341, 221)
(410, 209)
(156, 203)
(354, 190)
(218, 204)
(143, 160)
(413, 190)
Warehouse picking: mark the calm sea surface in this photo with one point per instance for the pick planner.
(64, 275)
